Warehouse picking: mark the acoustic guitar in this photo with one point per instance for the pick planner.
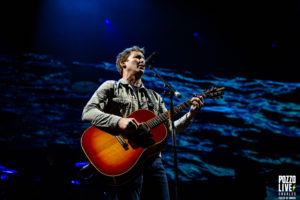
(119, 159)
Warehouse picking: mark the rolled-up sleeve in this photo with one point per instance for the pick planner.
(180, 124)
(93, 111)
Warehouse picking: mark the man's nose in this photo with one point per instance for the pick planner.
(142, 60)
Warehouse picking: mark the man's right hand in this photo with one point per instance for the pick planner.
(128, 125)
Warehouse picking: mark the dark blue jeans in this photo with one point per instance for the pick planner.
(151, 184)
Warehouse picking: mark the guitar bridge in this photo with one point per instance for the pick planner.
(122, 142)
(125, 146)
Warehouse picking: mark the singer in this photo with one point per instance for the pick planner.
(109, 107)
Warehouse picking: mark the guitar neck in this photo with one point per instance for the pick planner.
(213, 92)
(165, 116)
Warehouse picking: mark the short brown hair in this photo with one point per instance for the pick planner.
(123, 56)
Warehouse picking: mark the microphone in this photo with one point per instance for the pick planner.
(148, 62)
(150, 58)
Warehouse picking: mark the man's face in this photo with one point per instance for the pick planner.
(135, 63)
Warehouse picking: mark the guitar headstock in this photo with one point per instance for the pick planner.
(213, 92)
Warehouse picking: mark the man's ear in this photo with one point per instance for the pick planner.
(123, 65)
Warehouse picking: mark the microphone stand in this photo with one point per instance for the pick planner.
(172, 92)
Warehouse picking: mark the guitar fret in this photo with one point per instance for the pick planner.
(161, 118)
(147, 124)
(154, 122)
(151, 123)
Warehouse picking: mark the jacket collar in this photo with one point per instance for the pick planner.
(124, 82)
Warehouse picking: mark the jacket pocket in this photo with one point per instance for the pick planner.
(121, 106)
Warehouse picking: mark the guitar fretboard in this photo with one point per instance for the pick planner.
(210, 93)
(165, 116)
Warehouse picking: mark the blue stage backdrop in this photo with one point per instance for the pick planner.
(252, 132)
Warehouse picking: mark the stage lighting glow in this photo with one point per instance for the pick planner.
(4, 177)
(10, 171)
(273, 45)
(107, 21)
(80, 164)
(195, 34)
(75, 182)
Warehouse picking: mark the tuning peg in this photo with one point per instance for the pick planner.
(221, 89)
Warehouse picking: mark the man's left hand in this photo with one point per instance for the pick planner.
(197, 103)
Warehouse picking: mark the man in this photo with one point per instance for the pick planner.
(110, 105)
